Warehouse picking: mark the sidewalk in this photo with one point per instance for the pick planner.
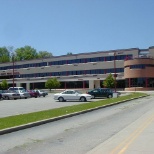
(137, 138)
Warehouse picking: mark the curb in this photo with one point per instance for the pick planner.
(37, 123)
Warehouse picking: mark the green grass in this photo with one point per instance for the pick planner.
(21, 119)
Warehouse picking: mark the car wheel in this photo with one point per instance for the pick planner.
(83, 99)
(43, 95)
(7, 97)
(110, 96)
(61, 99)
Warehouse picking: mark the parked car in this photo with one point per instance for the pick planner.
(101, 92)
(72, 95)
(16, 88)
(23, 94)
(41, 93)
(0, 96)
(1, 91)
(8, 94)
(32, 93)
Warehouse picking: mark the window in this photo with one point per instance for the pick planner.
(140, 66)
(137, 82)
(108, 58)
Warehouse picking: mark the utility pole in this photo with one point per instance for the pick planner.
(13, 68)
(115, 73)
(10, 48)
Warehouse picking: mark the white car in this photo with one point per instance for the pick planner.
(72, 95)
(16, 88)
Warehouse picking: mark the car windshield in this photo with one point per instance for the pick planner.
(11, 91)
(20, 91)
(41, 90)
(23, 91)
(17, 88)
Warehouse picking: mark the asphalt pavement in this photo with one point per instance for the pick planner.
(22, 106)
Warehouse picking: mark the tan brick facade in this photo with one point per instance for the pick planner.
(139, 68)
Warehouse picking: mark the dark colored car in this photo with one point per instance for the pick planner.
(101, 92)
(33, 93)
(1, 92)
(0, 96)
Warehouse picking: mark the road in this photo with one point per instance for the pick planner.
(99, 132)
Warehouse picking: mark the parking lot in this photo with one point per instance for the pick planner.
(22, 106)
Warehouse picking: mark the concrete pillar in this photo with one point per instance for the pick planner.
(83, 84)
(27, 86)
(97, 83)
(146, 82)
(18, 84)
(91, 84)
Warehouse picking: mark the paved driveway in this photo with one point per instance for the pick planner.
(21, 106)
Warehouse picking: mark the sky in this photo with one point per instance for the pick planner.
(77, 26)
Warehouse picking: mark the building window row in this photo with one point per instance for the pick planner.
(67, 73)
(139, 82)
(140, 66)
(87, 60)
(24, 66)
(63, 62)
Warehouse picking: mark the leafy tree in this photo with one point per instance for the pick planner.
(26, 53)
(4, 55)
(4, 85)
(44, 54)
(69, 53)
(109, 82)
(52, 83)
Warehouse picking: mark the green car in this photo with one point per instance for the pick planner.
(101, 92)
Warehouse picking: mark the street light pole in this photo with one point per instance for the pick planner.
(115, 75)
(13, 69)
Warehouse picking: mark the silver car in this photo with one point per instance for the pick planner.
(72, 95)
(23, 94)
(8, 94)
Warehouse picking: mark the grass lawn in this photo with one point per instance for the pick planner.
(22, 119)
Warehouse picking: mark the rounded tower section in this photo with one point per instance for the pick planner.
(139, 74)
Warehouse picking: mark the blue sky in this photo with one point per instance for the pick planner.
(77, 26)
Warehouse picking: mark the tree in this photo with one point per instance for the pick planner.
(4, 85)
(109, 82)
(26, 53)
(4, 55)
(52, 83)
(44, 54)
(69, 53)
